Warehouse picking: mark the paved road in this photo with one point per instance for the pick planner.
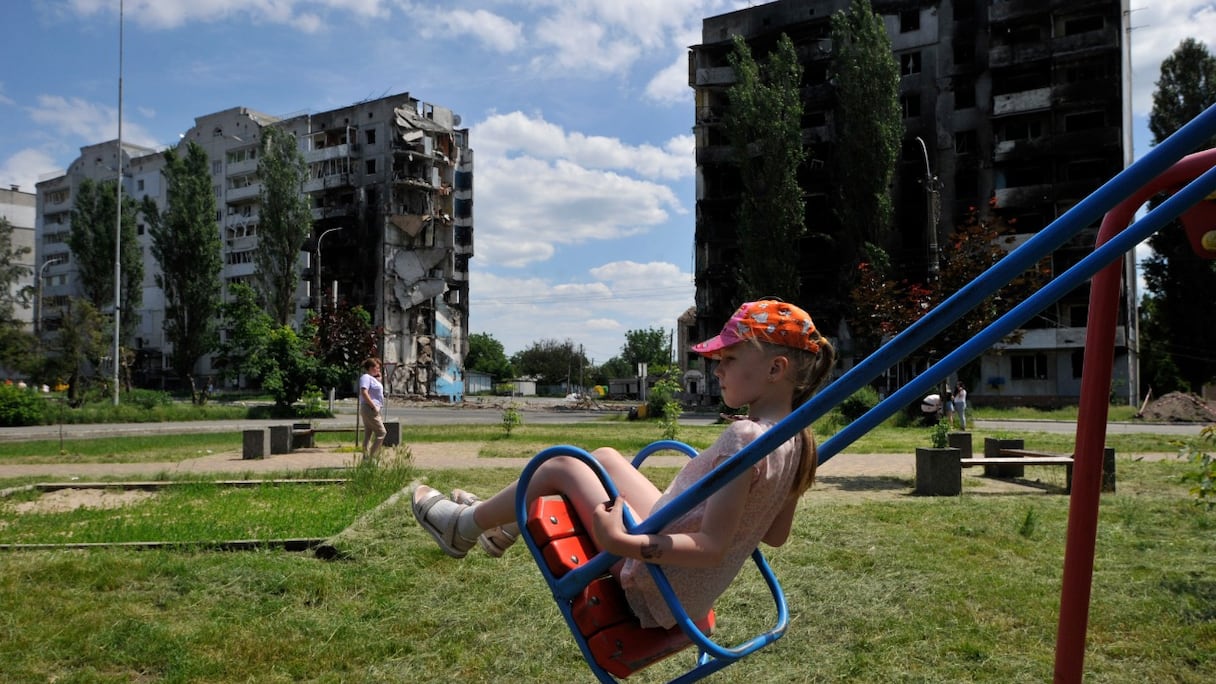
(457, 415)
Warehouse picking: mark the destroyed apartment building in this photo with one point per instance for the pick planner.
(390, 183)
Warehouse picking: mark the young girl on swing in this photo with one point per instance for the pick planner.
(771, 359)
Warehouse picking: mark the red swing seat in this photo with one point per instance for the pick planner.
(601, 613)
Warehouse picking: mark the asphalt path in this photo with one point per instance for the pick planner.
(473, 415)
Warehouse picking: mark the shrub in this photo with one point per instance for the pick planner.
(664, 391)
(1204, 473)
(147, 399)
(856, 405)
(20, 407)
(938, 436)
(511, 419)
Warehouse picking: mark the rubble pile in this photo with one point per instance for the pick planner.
(1179, 407)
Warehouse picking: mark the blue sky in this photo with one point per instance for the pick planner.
(579, 110)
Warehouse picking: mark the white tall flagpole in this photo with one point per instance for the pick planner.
(118, 217)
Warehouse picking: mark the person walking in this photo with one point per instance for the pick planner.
(960, 404)
(371, 405)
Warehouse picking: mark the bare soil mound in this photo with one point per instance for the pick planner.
(1179, 407)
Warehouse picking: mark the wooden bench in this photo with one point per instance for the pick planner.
(1011, 463)
(303, 435)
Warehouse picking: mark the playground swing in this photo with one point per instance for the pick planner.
(609, 636)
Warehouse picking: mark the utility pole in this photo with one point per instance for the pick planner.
(118, 218)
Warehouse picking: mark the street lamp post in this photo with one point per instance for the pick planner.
(931, 210)
(320, 295)
(41, 275)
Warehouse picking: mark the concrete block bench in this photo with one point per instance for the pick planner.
(255, 443)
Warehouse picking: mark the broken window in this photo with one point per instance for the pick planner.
(964, 93)
(909, 63)
(909, 20)
(1019, 129)
(909, 105)
(1084, 121)
(964, 53)
(965, 142)
(1028, 366)
(1082, 25)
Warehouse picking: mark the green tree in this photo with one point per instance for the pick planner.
(273, 356)
(16, 344)
(186, 244)
(615, 367)
(80, 342)
(1185, 88)
(764, 126)
(551, 362)
(868, 126)
(1179, 322)
(651, 346)
(1158, 371)
(284, 222)
(92, 243)
(344, 337)
(882, 306)
(486, 355)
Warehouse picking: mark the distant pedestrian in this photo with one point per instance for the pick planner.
(948, 407)
(371, 405)
(960, 404)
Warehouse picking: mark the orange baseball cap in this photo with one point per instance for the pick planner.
(767, 320)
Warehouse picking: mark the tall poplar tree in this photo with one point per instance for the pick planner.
(1179, 322)
(867, 126)
(92, 243)
(764, 125)
(285, 221)
(186, 244)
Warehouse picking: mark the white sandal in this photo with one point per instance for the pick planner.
(448, 535)
(496, 540)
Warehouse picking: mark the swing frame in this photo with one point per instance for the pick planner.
(1192, 181)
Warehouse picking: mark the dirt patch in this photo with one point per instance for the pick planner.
(1179, 407)
(64, 500)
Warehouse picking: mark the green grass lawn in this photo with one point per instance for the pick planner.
(902, 589)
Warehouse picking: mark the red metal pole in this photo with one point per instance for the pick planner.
(1082, 533)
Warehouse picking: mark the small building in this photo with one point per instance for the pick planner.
(477, 382)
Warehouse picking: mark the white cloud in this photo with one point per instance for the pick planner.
(501, 135)
(88, 121)
(539, 186)
(580, 43)
(491, 30)
(596, 313)
(670, 86)
(25, 168)
(525, 201)
(304, 15)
